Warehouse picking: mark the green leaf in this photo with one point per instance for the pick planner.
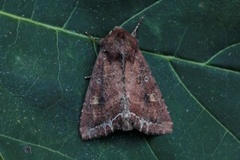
(192, 48)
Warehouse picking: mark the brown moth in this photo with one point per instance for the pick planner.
(122, 94)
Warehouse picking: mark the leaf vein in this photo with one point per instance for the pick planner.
(37, 145)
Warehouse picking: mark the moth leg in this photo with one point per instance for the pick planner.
(87, 77)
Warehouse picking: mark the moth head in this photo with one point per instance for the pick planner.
(117, 42)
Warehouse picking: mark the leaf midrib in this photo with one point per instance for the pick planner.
(61, 29)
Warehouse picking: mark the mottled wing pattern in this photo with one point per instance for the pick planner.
(122, 93)
(102, 100)
(147, 107)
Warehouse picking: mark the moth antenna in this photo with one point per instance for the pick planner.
(94, 39)
(134, 33)
(90, 36)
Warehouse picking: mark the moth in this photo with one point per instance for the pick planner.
(122, 93)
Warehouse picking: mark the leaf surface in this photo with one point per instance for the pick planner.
(192, 48)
